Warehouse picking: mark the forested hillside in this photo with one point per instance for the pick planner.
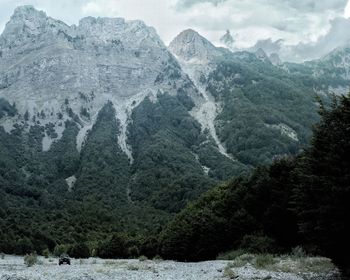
(294, 201)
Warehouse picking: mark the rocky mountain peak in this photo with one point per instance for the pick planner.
(261, 55)
(227, 39)
(26, 19)
(30, 28)
(26, 28)
(190, 45)
(133, 32)
(27, 11)
(275, 59)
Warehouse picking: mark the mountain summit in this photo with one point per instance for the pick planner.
(189, 45)
(227, 39)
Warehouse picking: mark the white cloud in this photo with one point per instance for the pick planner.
(347, 10)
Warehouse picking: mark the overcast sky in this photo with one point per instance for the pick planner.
(302, 23)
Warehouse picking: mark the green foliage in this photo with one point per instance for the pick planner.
(6, 109)
(264, 260)
(103, 165)
(31, 259)
(143, 258)
(257, 96)
(165, 172)
(84, 113)
(226, 217)
(120, 245)
(323, 190)
(79, 250)
(46, 253)
(231, 255)
(298, 253)
(60, 249)
(258, 244)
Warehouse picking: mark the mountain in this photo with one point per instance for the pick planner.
(250, 104)
(84, 66)
(96, 126)
(227, 40)
(189, 45)
(330, 74)
(275, 59)
(104, 129)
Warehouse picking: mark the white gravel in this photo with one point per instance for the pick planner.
(13, 268)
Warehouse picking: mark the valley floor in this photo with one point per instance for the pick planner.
(13, 268)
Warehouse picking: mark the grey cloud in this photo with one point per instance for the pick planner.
(185, 4)
(315, 5)
(338, 36)
(268, 45)
(303, 6)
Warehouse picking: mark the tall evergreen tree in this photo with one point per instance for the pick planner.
(323, 192)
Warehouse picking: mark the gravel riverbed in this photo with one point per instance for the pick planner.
(13, 268)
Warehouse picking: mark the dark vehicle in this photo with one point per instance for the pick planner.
(64, 259)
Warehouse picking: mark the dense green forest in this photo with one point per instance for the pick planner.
(259, 97)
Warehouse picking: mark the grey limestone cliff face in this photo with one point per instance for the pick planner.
(54, 72)
(190, 46)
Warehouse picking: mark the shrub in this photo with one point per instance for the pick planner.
(157, 258)
(242, 260)
(60, 249)
(31, 259)
(228, 272)
(143, 258)
(133, 251)
(46, 253)
(257, 244)
(298, 253)
(231, 255)
(93, 252)
(113, 248)
(263, 260)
